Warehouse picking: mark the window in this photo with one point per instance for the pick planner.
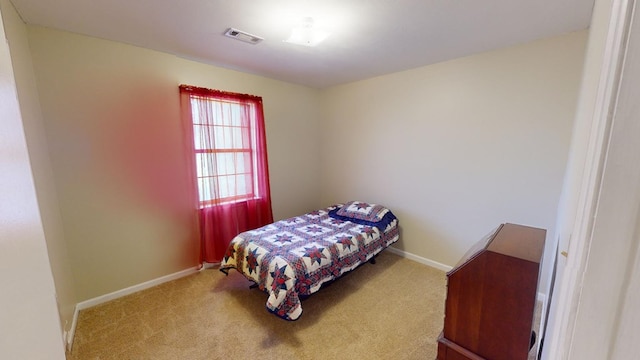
(225, 146)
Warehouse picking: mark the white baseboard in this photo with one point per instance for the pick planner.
(120, 293)
(420, 259)
(72, 330)
(541, 297)
(151, 283)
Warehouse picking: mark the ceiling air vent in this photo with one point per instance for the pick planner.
(242, 36)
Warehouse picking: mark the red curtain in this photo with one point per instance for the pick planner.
(227, 143)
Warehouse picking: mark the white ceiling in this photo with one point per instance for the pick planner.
(369, 37)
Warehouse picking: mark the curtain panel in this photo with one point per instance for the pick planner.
(225, 137)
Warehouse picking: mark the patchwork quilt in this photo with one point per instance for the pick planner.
(291, 259)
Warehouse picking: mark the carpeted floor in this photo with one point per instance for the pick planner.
(391, 310)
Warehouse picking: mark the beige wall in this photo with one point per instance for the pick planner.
(29, 323)
(16, 32)
(111, 114)
(456, 148)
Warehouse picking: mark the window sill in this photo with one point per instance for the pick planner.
(230, 202)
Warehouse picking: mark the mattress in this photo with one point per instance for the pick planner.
(292, 258)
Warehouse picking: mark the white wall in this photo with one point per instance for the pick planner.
(456, 148)
(111, 114)
(29, 323)
(572, 201)
(603, 320)
(16, 32)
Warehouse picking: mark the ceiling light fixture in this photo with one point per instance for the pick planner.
(306, 34)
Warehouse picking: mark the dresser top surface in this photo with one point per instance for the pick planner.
(519, 241)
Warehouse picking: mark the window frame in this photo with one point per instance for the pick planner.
(250, 174)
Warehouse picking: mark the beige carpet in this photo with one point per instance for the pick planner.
(390, 310)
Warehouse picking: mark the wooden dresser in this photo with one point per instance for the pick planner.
(491, 297)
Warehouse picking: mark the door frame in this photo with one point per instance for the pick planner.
(560, 337)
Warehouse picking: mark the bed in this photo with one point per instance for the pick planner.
(291, 259)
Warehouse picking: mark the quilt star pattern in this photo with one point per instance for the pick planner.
(292, 258)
